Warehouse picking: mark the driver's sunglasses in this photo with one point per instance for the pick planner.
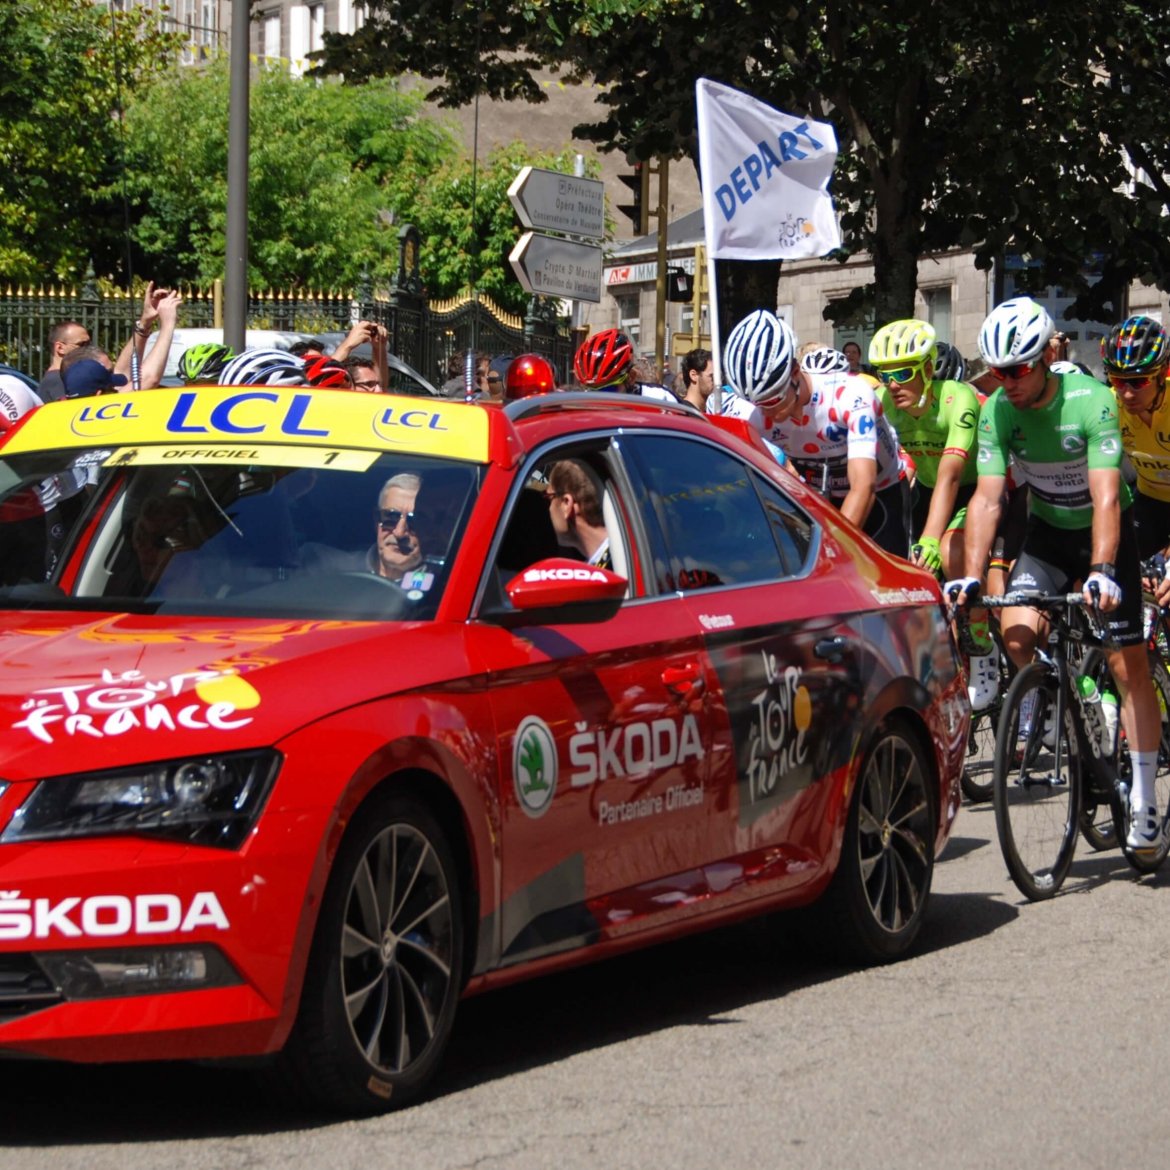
(1135, 382)
(901, 375)
(1016, 372)
(390, 518)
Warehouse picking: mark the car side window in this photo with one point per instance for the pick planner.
(791, 528)
(715, 527)
(566, 507)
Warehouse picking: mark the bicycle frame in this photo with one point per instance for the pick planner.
(1071, 625)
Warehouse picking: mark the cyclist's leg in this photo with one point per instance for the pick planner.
(888, 523)
(1009, 538)
(1140, 715)
(1043, 567)
(953, 543)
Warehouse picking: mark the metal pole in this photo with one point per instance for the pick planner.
(235, 268)
(578, 307)
(660, 291)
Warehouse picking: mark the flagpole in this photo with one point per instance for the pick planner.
(713, 310)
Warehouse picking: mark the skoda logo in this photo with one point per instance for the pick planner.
(534, 765)
(1072, 443)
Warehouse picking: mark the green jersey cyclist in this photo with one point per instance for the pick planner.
(1063, 431)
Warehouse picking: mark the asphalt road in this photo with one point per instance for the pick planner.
(1016, 1035)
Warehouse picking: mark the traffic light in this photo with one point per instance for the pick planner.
(680, 285)
(638, 181)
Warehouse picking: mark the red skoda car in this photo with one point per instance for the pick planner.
(336, 708)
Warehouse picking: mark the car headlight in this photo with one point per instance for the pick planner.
(205, 800)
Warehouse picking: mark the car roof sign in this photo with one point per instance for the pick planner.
(260, 415)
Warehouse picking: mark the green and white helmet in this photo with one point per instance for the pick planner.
(1016, 331)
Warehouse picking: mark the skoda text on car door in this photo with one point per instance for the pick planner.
(604, 748)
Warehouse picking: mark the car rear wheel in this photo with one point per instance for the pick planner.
(878, 895)
(383, 979)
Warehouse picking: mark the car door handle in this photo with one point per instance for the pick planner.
(831, 649)
(683, 680)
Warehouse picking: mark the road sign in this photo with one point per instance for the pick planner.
(554, 267)
(550, 201)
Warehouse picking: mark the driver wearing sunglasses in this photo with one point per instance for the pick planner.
(1135, 355)
(1063, 431)
(397, 553)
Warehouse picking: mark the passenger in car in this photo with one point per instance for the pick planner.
(574, 502)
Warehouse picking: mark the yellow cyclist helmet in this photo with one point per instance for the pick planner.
(903, 343)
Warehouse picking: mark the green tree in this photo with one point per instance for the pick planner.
(68, 67)
(326, 162)
(984, 126)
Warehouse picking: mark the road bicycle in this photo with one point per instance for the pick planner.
(1060, 764)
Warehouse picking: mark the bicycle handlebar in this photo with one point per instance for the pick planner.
(1035, 600)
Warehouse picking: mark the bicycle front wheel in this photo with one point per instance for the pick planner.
(1036, 805)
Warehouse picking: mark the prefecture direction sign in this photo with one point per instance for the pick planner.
(553, 267)
(552, 202)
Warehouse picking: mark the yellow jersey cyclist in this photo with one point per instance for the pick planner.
(1135, 355)
(1064, 434)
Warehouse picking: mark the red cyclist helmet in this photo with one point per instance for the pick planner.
(528, 374)
(326, 372)
(603, 359)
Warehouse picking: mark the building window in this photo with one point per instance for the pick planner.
(208, 20)
(630, 316)
(316, 27)
(272, 36)
(938, 310)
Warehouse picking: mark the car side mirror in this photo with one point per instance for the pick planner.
(559, 591)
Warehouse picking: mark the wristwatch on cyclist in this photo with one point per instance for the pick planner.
(1105, 568)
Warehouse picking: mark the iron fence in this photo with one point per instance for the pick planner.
(423, 332)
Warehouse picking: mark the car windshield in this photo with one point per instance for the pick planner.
(308, 533)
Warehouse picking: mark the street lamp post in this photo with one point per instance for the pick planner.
(235, 269)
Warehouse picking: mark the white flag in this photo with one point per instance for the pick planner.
(765, 178)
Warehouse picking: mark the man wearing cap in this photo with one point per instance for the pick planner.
(88, 371)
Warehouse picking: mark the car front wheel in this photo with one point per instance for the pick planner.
(383, 979)
(878, 895)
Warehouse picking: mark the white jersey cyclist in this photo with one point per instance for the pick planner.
(840, 420)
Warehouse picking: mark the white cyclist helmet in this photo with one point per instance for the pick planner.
(264, 367)
(758, 359)
(824, 360)
(1016, 331)
(1065, 368)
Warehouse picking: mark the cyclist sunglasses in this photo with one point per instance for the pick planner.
(1135, 382)
(1016, 372)
(901, 375)
(389, 518)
